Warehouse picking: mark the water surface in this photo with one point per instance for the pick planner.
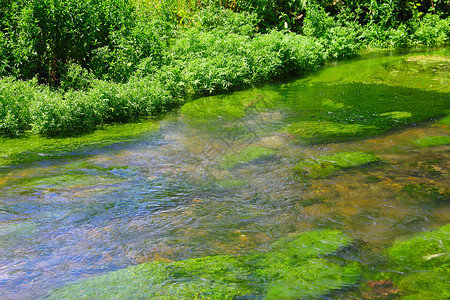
(219, 176)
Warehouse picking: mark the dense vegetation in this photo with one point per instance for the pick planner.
(67, 66)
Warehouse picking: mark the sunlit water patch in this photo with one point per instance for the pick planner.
(360, 147)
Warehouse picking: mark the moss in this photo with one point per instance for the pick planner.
(325, 166)
(430, 141)
(249, 154)
(304, 271)
(314, 131)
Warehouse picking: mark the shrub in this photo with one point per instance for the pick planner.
(4, 54)
(15, 99)
(119, 60)
(57, 115)
(317, 22)
(76, 78)
(244, 23)
(50, 33)
(342, 41)
(432, 30)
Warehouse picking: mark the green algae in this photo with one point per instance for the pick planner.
(75, 175)
(432, 284)
(33, 148)
(229, 106)
(231, 183)
(426, 71)
(312, 279)
(17, 229)
(316, 131)
(66, 181)
(303, 272)
(325, 166)
(397, 114)
(445, 120)
(430, 141)
(422, 264)
(247, 155)
(358, 110)
(207, 108)
(364, 98)
(423, 251)
(437, 194)
(299, 247)
(328, 103)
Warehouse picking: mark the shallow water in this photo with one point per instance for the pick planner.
(219, 176)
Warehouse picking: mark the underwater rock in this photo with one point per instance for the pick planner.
(325, 166)
(295, 267)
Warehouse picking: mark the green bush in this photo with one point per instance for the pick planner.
(15, 100)
(128, 48)
(57, 115)
(339, 40)
(432, 30)
(46, 34)
(76, 78)
(244, 23)
(4, 54)
(317, 22)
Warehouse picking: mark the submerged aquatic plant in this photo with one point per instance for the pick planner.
(247, 155)
(325, 166)
(295, 267)
(423, 263)
(429, 141)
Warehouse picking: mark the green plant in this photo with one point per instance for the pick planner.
(303, 271)
(16, 98)
(423, 264)
(76, 78)
(245, 156)
(50, 33)
(325, 166)
(432, 30)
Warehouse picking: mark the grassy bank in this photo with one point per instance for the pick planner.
(68, 68)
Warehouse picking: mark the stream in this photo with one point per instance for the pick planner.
(227, 175)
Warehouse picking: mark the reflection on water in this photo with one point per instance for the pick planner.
(219, 178)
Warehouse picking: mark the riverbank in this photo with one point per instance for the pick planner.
(152, 61)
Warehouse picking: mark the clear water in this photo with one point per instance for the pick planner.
(166, 194)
